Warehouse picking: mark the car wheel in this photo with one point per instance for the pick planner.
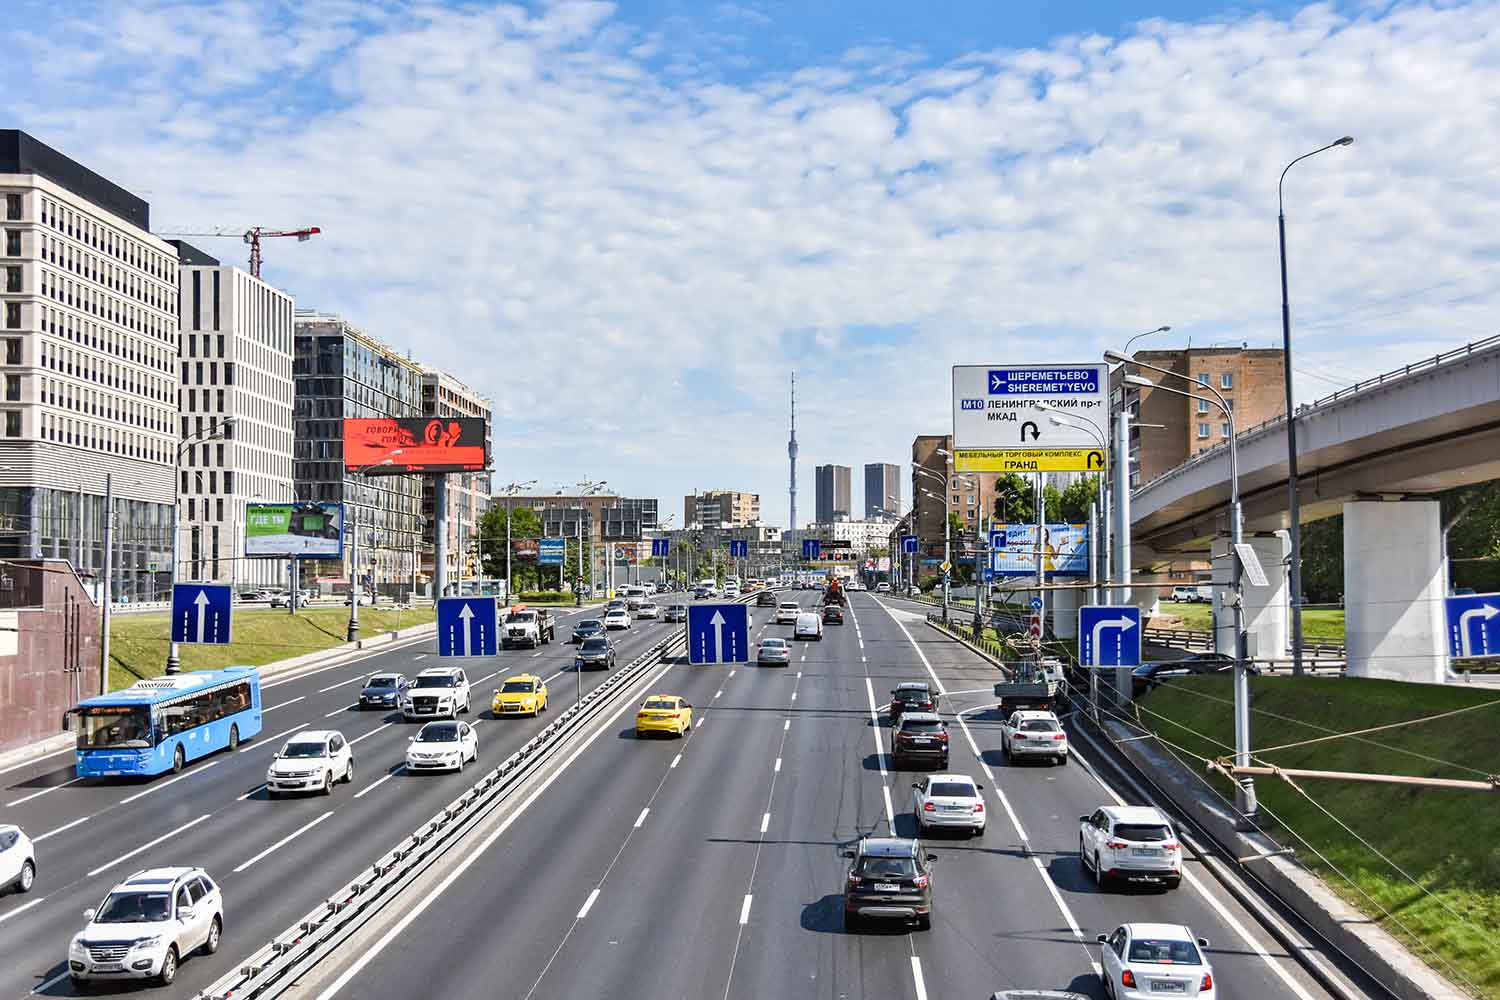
(215, 931)
(349, 772)
(327, 782)
(462, 760)
(168, 967)
(179, 758)
(27, 878)
(272, 793)
(234, 738)
(979, 831)
(1098, 872)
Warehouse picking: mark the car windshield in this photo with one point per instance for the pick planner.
(660, 704)
(951, 789)
(438, 732)
(518, 687)
(436, 681)
(911, 695)
(921, 726)
(134, 908)
(98, 728)
(595, 645)
(381, 681)
(1037, 726)
(521, 616)
(304, 749)
(1160, 952)
(888, 868)
(589, 623)
(1150, 833)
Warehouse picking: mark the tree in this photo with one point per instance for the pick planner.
(1075, 500)
(524, 523)
(1015, 499)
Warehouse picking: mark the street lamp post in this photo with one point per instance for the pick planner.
(586, 488)
(1294, 576)
(214, 432)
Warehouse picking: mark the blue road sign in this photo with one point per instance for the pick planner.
(200, 613)
(1109, 635)
(1474, 625)
(1036, 604)
(468, 626)
(718, 633)
(550, 551)
(811, 548)
(660, 547)
(989, 575)
(909, 543)
(739, 548)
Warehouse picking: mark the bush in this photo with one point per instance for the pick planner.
(543, 595)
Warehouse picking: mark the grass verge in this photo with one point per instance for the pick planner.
(1448, 841)
(138, 643)
(1318, 624)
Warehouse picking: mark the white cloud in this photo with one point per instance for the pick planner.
(529, 198)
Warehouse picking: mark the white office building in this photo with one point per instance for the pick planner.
(236, 367)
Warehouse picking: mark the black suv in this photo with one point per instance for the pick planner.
(888, 877)
(921, 739)
(765, 599)
(833, 614)
(587, 628)
(912, 696)
(596, 653)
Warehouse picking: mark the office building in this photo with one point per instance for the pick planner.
(721, 509)
(858, 538)
(607, 518)
(468, 492)
(971, 495)
(89, 330)
(882, 491)
(235, 399)
(341, 372)
(832, 491)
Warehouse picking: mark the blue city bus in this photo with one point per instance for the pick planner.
(160, 724)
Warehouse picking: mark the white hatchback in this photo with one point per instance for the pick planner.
(311, 761)
(1149, 961)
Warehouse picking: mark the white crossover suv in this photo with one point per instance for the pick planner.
(312, 761)
(439, 693)
(1134, 844)
(146, 925)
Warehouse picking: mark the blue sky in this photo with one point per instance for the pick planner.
(628, 224)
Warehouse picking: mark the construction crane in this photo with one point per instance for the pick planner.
(253, 237)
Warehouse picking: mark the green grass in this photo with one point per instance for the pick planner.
(1448, 840)
(1317, 623)
(138, 643)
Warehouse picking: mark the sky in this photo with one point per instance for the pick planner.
(629, 223)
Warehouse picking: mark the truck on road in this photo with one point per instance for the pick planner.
(529, 627)
(1037, 686)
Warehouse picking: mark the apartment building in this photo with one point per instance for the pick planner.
(468, 492)
(721, 509)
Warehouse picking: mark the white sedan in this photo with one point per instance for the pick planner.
(1147, 961)
(648, 610)
(948, 800)
(617, 618)
(442, 746)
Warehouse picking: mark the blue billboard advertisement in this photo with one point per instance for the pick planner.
(1064, 548)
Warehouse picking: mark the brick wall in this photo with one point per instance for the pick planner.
(49, 648)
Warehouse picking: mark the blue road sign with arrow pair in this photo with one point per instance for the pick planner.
(201, 613)
(718, 633)
(812, 548)
(738, 548)
(660, 547)
(1109, 635)
(1473, 625)
(468, 626)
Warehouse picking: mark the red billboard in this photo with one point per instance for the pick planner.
(388, 446)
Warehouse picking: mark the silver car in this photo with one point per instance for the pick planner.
(773, 653)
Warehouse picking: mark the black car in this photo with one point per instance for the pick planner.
(889, 878)
(699, 593)
(383, 691)
(765, 599)
(675, 613)
(833, 614)
(587, 627)
(920, 740)
(912, 696)
(1146, 676)
(596, 653)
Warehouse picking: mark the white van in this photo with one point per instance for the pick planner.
(711, 585)
(634, 597)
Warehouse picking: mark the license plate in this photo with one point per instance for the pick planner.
(953, 809)
(109, 966)
(1146, 852)
(1166, 986)
(886, 887)
(924, 742)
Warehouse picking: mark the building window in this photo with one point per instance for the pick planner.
(12, 423)
(1226, 380)
(13, 242)
(13, 207)
(1224, 429)
(13, 388)
(197, 298)
(13, 315)
(1202, 406)
(1203, 430)
(1203, 378)
(12, 279)
(12, 352)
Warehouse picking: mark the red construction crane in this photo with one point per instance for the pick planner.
(253, 237)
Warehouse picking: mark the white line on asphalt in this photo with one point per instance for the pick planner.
(745, 909)
(147, 846)
(863, 660)
(285, 704)
(50, 983)
(371, 733)
(378, 782)
(341, 710)
(44, 791)
(701, 720)
(170, 781)
(718, 692)
(270, 741)
(794, 696)
(799, 675)
(1057, 898)
(420, 656)
(588, 904)
(241, 798)
(731, 674)
(642, 817)
(485, 678)
(340, 684)
(875, 725)
(890, 813)
(676, 760)
(70, 748)
(786, 725)
(22, 908)
(765, 821)
(284, 840)
(65, 826)
(536, 654)
(916, 975)
(778, 765)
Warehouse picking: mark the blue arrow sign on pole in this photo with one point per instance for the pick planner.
(909, 543)
(660, 547)
(1473, 625)
(1109, 635)
(468, 626)
(201, 613)
(738, 548)
(718, 633)
(812, 548)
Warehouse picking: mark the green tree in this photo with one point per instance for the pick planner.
(1074, 506)
(524, 523)
(1015, 499)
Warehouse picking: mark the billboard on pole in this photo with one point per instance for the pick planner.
(308, 530)
(1065, 549)
(1030, 418)
(390, 446)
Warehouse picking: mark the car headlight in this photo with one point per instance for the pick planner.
(76, 945)
(148, 942)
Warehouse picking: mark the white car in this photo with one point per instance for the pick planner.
(648, 610)
(17, 859)
(882, 588)
(787, 612)
(809, 626)
(311, 761)
(1147, 961)
(439, 693)
(617, 618)
(442, 746)
(146, 925)
(1032, 735)
(1134, 844)
(731, 591)
(948, 800)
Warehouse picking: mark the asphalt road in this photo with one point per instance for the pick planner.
(712, 866)
(275, 859)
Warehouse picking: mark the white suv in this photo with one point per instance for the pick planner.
(787, 612)
(17, 859)
(1032, 735)
(311, 761)
(146, 925)
(439, 693)
(1130, 844)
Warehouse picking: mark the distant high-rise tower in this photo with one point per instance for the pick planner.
(832, 482)
(791, 453)
(882, 491)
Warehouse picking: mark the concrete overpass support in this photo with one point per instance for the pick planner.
(1267, 632)
(1393, 590)
(1065, 612)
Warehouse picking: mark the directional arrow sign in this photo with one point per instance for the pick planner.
(468, 626)
(718, 633)
(201, 613)
(1109, 635)
(1474, 625)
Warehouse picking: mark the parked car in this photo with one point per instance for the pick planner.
(1155, 960)
(1146, 676)
(1193, 595)
(383, 691)
(585, 628)
(913, 696)
(280, 600)
(1033, 735)
(312, 761)
(833, 614)
(920, 739)
(442, 746)
(773, 651)
(364, 599)
(809, 626)
(1134, 844)
(882, 588)
(948, 800)
(889, 878)
(596, 653)
(17, 859)
(146, 925)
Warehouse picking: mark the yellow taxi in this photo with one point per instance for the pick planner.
(523, 694)
(664, 713)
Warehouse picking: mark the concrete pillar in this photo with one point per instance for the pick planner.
(1266, 633)
(1393, 590)
(1064, 607)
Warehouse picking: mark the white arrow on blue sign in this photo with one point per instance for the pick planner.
(201, 613)
(908, 543)
(1473, 625)
(468, 626)
(1109, 635)
(718, 633)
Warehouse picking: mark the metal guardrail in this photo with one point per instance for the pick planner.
(1321, 656)
(274, 969)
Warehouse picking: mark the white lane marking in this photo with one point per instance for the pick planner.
(342, 710)
(284, 841)
(731, 674)
(778, 765)
(863, 660)
(676, 760)
(171, 781)
(1057, 898)
(378, 782)
(49, 984)
(22, 908)
(371, 733)
(65, 826)
(794, 696)
(745, 909)
(799, 675)
(270, 740)
(588, 904)
(44, 791)
(147, 846)
(765, 822)
(536, 654)
(890, 813)
(718, 692)
(786, 725)
(701, 720)
(251, 792)
(485, 678)
(285, 704)
(340, 684)
(875, 724)
(642, 817)
(420, 656)
(917, 981)
(70, 748)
